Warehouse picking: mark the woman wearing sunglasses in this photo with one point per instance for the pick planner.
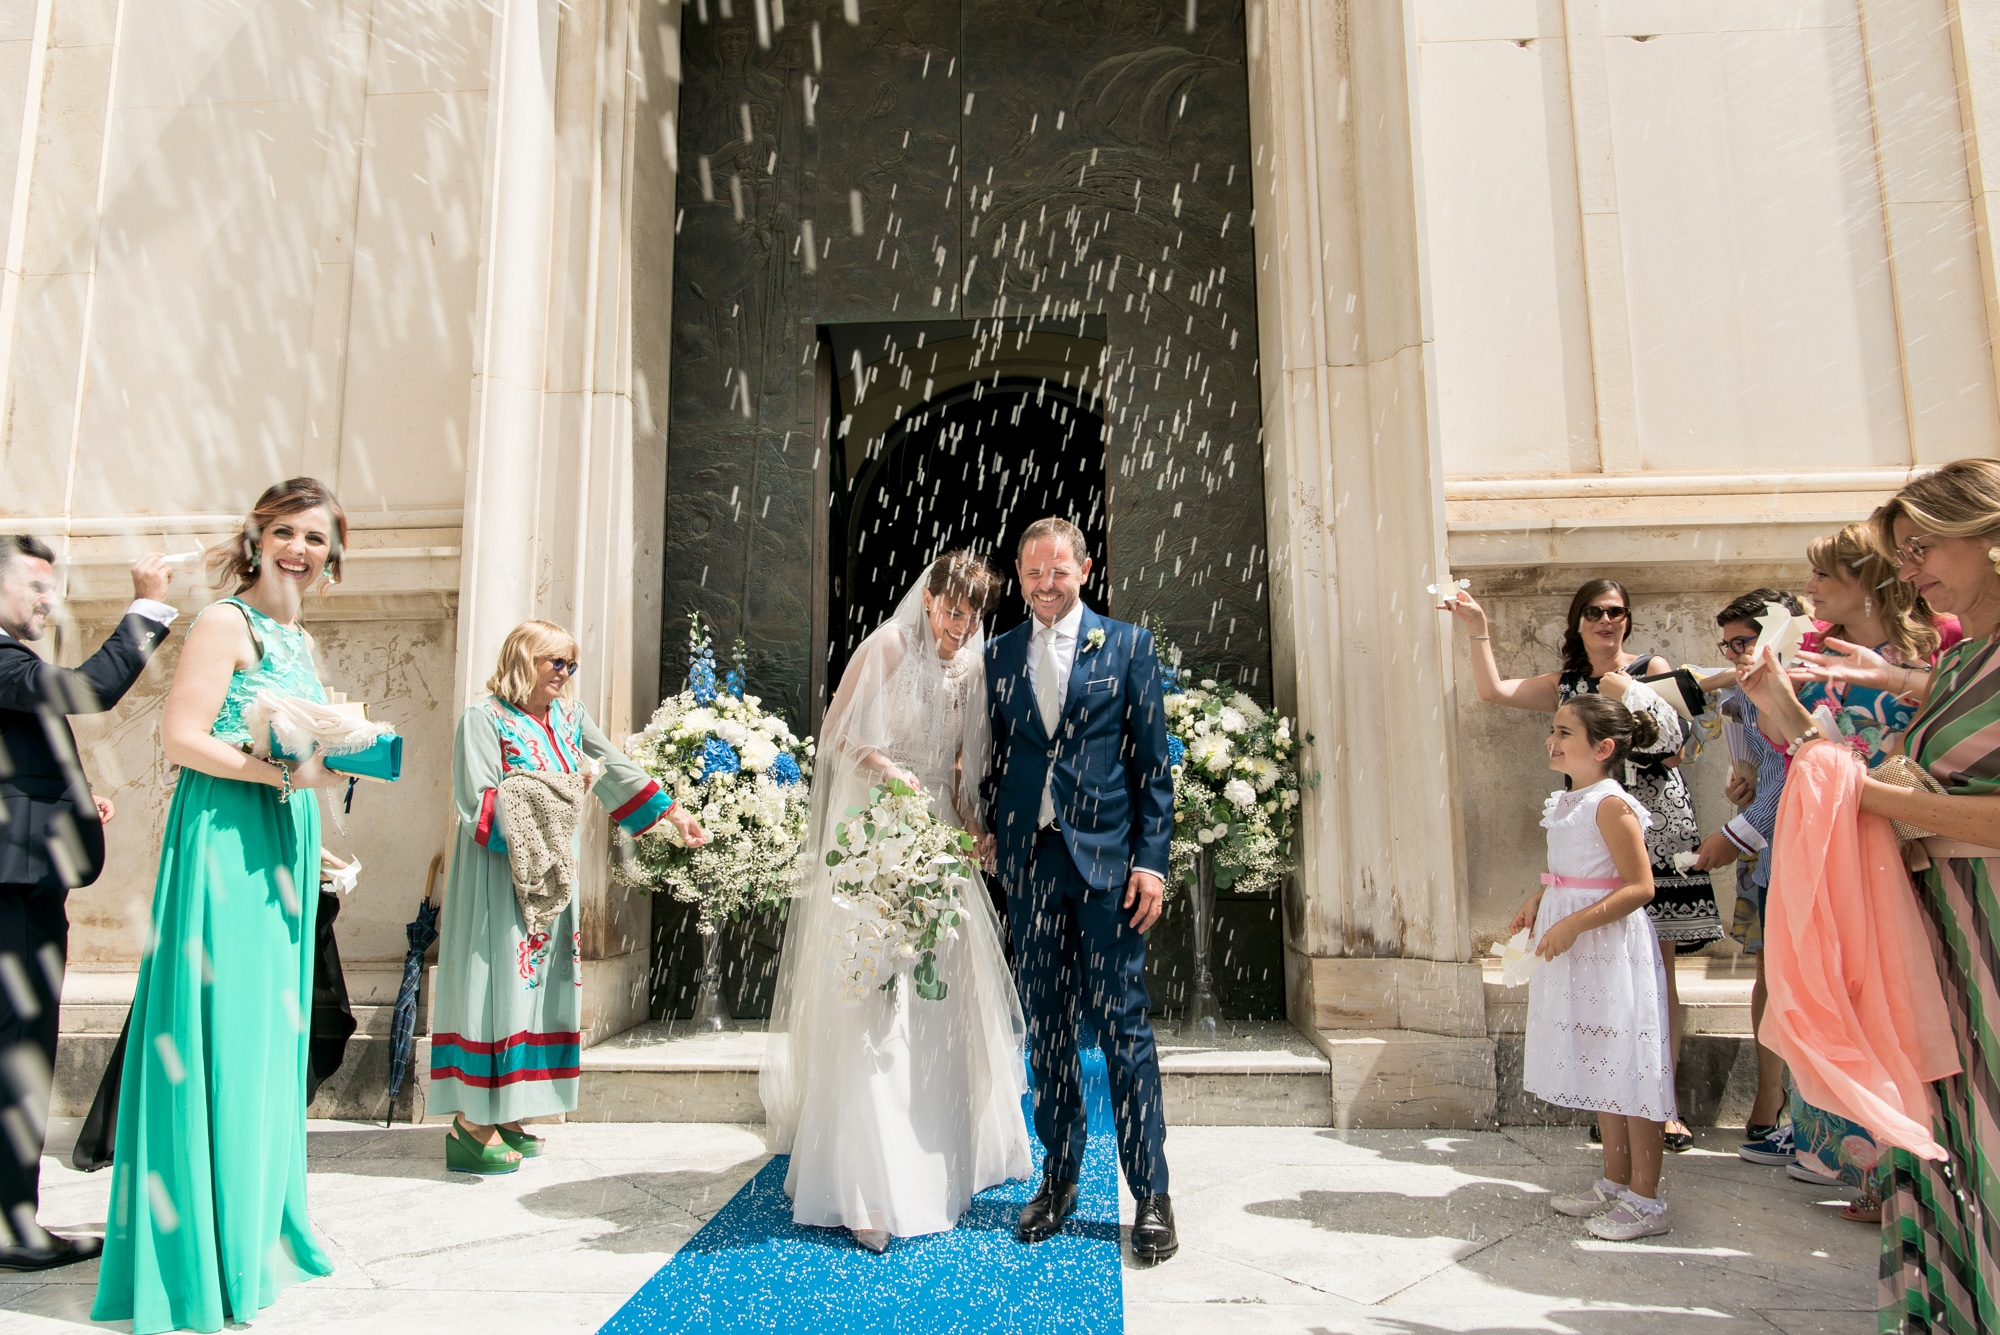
(508, 1011)
(1594, 661)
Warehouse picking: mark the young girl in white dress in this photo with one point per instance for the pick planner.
(1597, 1008)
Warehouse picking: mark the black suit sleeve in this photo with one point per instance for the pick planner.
(29, 685)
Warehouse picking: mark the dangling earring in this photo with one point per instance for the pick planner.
(1867, 605)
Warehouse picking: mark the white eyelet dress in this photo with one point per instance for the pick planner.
(1597, 1014)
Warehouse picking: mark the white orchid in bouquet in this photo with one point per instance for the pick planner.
(900, 875)
(742, 773)
(1236, 777)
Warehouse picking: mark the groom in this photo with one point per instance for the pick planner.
(1083, 806)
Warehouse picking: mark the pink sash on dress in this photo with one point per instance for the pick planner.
(1855, 1006)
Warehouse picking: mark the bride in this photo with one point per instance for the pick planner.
(896, 1110)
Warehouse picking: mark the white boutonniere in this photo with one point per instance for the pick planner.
(1094, 640)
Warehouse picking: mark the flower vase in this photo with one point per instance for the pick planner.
(1203, 1021)
(711, 1012)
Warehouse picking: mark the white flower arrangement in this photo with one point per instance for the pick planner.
(743, 774)
(900, 874)
(1236, 779)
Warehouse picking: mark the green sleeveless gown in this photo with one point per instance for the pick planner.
(208, 1191)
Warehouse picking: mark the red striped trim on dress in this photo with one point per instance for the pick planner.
(523, 1039)
(483, 833)
(640, 799)
(510, 1078)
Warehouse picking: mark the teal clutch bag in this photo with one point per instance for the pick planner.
(383, 760)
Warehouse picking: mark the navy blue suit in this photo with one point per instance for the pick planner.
(1074, 945)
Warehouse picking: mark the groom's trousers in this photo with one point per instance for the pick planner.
(1075, 947)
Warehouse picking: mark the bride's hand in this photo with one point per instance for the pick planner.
(985, 847)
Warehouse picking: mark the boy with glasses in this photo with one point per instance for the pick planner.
(1748, 836)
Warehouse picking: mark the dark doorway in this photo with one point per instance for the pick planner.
(1065, 192)
(971, 466)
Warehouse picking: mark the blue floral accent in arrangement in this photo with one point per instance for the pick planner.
(1176, 752)
(732, 683)
(785, 770)
(718, 757)
(701, 662)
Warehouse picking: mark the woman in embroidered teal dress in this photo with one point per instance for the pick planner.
(508, 1011)
(208, 1186)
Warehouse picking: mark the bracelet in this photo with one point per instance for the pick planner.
(284, 781)
(1812, 734)
(1482, 637)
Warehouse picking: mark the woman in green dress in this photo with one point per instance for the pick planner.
(208, 1188)
(507, 1019)
(1940, 1267)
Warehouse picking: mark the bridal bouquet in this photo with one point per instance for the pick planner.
(743, 774)
(900, 874)
(1236, 778)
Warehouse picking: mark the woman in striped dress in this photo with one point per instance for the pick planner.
(1941, 1219)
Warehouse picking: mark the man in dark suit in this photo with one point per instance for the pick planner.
(1082, 812)
(51, 841)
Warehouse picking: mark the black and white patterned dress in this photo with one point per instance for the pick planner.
(1683, 908)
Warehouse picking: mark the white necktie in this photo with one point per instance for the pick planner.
(1048, 696)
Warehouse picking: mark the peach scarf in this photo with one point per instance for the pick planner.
(1855, 1005)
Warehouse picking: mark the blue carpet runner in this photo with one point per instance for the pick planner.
(750, 1268)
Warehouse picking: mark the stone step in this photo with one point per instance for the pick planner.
(1253, 1075)
(1403, 1078)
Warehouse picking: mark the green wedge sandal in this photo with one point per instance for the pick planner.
(521, 1142)
(463, 1154)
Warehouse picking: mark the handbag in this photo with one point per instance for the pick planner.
(1903, 772)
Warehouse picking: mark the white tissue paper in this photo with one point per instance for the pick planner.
(343, 879)
(1518, 959)
(1781, 634)
(1684, 862)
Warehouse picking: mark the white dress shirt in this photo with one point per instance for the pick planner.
(1063, 635)
(164, 613)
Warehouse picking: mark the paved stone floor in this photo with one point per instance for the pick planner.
(1283, 1230)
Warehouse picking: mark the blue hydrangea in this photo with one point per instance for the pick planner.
(701, 679)
(785, 770)
(1176, 751)
(718, 757)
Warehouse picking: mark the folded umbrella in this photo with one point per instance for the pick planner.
(422, 931)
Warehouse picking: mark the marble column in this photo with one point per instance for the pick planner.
(1377, 937)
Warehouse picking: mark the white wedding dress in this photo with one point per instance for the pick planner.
(896, 1110)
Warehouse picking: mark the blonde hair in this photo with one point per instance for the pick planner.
(1059, 529)
(1855, 554)
(514, 675)
(1959, 500)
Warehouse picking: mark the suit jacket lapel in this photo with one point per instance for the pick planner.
(1019, 697)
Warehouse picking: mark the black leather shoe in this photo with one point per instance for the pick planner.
(1042, 1217)
(1153, 1235)
(60, 1251)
